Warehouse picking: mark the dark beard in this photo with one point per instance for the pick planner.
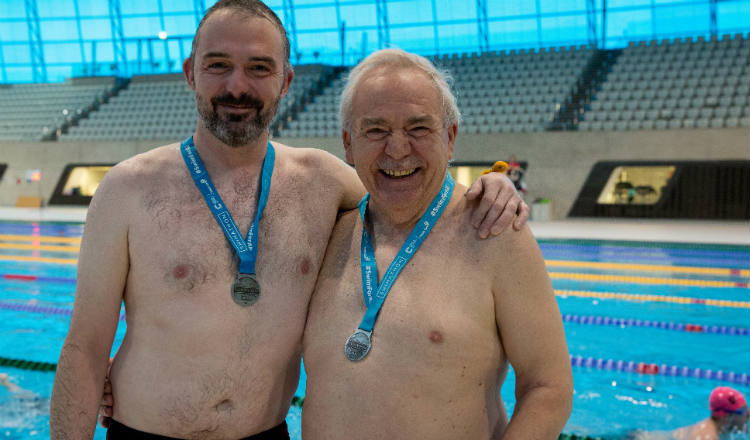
(229, 129)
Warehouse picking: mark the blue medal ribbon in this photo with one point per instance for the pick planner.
(247, 249)
(375, 293)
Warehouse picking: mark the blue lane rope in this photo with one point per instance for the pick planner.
(49, 310)
(631, 322)
(663, 369)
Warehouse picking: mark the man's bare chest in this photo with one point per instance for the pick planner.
(177, 241)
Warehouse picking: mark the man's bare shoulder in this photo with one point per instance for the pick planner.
(135, 175)
(310, 160)
(155, 161)
(495, 248)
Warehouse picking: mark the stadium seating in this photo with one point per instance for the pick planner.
(679, 84)
(656, 85)
(497, 92)
(34, 112)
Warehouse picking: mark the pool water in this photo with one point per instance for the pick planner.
(684, 309)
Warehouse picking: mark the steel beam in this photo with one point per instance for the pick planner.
(483, 28)
(539, 32)
(384, 32)
(591, 21)
(2, 63)
(162, 24)
(118, 37)
(291, 27)
(435, 33)
(36, 47)
(199, 8)
(81, 44)
(712, 24)
(604, 25)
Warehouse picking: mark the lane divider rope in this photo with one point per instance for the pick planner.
(663, 369)
(630, 322)
(30, 278)
(650, 267)
(40, 247)
(40, 238)
(49, 310)
(655, 298)
(645, 280)
(38, 259)
(27, 365)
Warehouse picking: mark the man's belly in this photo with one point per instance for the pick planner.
(219, 395)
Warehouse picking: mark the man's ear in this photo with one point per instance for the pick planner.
(288, 77)
(347, 139)
(187, 69)
(452, 132)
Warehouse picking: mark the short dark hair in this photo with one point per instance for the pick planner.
(253, 8)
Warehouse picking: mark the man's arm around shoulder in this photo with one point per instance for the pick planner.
(102, 273)
(533, 338)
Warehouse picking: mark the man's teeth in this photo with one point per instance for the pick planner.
(399, 173)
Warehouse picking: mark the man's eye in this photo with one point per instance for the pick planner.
(260, 69)
(217, 65)
(376, 133)
(418, 131)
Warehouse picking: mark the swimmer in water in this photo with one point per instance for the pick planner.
(22, 405)
(729, 417)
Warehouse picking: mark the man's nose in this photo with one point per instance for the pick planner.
(238, 83)
(398, 145)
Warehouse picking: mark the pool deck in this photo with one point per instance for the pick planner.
(682, 231)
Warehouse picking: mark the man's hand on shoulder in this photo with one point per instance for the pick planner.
(499, 203)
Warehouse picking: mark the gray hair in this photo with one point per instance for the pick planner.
(397, 58)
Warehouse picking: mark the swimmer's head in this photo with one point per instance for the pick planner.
(3, 378)
(729, 408)
(725, 400)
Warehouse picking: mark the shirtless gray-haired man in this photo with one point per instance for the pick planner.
(456, 310)
(213, 344)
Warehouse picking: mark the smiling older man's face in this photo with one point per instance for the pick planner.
(398, 143)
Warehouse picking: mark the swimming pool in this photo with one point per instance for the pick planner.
(651, 327)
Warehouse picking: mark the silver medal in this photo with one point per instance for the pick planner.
(245, 289)
(358, 345)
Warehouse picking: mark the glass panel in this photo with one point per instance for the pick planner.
(14, 31)
(54, 8)
(96, 29)
(83, 181)
(635, 185)
(62, 53)
(681, 19)
(13, 9)
(418, 11)
(564, 30)
(732, 16)
(360, 15)
(59, 30)
(89, 8)
(512, 33)
(141, 26)
(178, 6)
(419, 39)
(459, 38)
(629, 25)
(314, 18)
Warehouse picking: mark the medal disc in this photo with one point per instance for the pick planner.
(358, 345)
(245, 289)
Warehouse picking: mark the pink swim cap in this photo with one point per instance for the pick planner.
(725, 400)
